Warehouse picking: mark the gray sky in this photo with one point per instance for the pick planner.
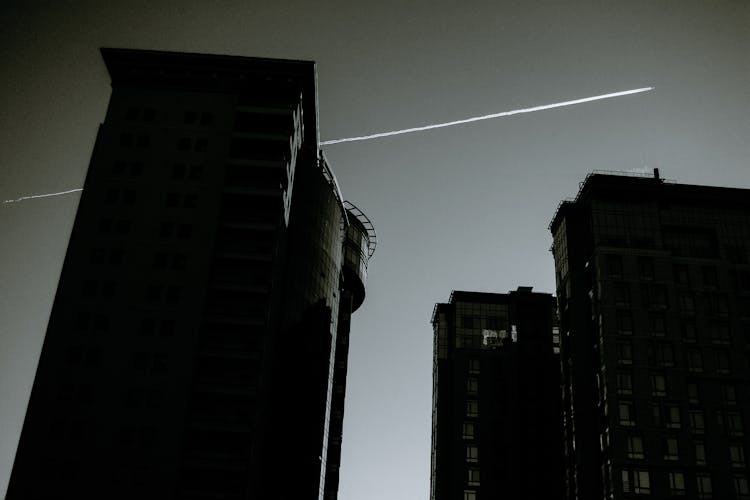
(464, 207)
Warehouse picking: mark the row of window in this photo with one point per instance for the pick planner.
(624, 387)
(671, 451)
(669, 416)
(664, 355)
(719, 331)
(656, 297)
(639, 482)
(203, 118)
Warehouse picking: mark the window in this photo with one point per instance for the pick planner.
(719, 333)
(184, 143)
(665, 355)
(692, 391)
(178, 171)
(687, 304)
(472, 453)
(656, 325)
(470, 495)
(704, 485)
(624, 384)
(737, 455)
(624, 353)
(676, 484)
(473, 479)
(196, 172)
(473, 366)
(635, 481)
(634, 446)
(688, 331)
(671, 449)
(190, 117)
(656, 414)
(655, 296)
(710, 277)
(624, 323)
(722, 362)
(734, 424)
(673, 417)
(697, 422)
(206, 118)
(700, 453)
(658, 386)
(728, 394)
(741, 487)
(681, 275)
(646, 268)
(468, 430)
(472, 408)
(625, 414)
(201, 145)
(472, 385)
(622, 294)
(614, 266)
(695, 360)
(149, 114)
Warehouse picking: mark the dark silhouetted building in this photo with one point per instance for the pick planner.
(496, 428)
(197, 346)
(653, 284)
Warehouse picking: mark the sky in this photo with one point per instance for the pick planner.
(456, 208)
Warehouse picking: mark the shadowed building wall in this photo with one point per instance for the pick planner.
(496, 430)
(653, 284)
(190, 350)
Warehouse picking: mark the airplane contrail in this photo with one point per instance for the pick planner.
(488, 117)
(22, 198)
(424, 127)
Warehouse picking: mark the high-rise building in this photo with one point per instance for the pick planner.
(653, 284)
(197, 345)
(496, 428)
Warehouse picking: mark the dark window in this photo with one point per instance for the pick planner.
(123, 226)
(695, 360)
(687, 303)
(111, 196)
(206, 118)
(149, 114)
(136, 168)
(622, 294)
(722, 362)
(184, 231)
(196, 172)
(201, 145)
(105, 225)
(656, 324)
(190, 201)
(160, 260)
(132, 113)
(624, 353)
(710, 276)
(147, 326)
(118, 168)
(614, 266)
(190, 117)
(173, 199)
(101, 323)
(184, 143)
(646, 268)
(128, 197)
(126, 140)
(624, 323)
(144, 141)
(167, 327)
(166, 229)
(688, 331)
(682, 275)
(178, 171)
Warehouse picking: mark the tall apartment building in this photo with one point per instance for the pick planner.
(496, 427)
(197, 345)
(653, 284)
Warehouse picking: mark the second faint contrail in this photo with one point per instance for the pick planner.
(488, 117)
(47, 195)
